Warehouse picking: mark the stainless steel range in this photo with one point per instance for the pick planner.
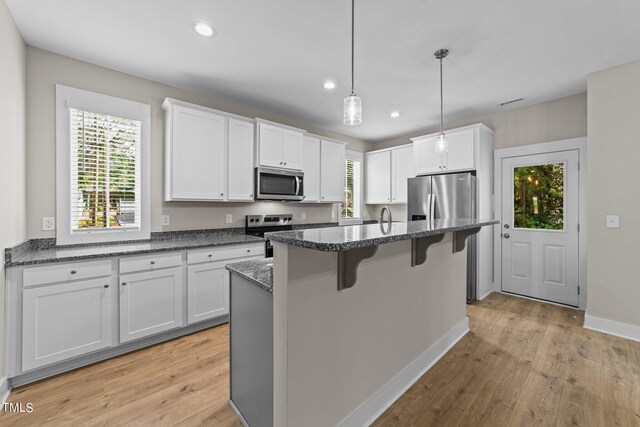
(257, 225)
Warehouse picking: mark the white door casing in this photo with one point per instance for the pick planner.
(540, 263)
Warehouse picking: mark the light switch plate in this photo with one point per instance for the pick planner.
(48, 223)
(303, 216)
(166, 219)
(229, 218)
(613, 221)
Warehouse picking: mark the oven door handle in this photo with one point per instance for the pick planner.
(297, 185)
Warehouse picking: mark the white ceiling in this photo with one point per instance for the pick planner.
(276, 54)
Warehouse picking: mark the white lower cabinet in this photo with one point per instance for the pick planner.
(208, 291)
(64, 321)
(150, 302)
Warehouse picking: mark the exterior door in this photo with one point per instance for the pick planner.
(540, 209)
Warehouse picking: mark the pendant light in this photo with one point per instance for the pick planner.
(352, 103)
(441, 141)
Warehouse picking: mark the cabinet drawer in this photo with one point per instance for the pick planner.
(228, 252)
(55, 273)
(150, 262)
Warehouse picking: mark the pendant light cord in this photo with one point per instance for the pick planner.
(353, 7)
(441, 103)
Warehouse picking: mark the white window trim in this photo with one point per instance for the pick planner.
(358, 157)
(66, 98)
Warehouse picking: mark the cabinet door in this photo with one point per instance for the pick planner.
(331, 171)
(240, 160)
(378, 177)
(150, 302)
(270, 145)
(401, 170)
(461, 154)
(292, 149)
(208, 291)
(198, 155)
(64, 321)
(311, 169)
(426, 159)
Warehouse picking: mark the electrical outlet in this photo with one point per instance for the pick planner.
(229, 218)
(166, 219)
(303, 216)
(613, 221)
(48, 223)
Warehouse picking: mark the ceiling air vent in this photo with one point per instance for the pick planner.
(512, 101)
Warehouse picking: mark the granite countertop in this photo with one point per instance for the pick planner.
(258, 272)
(44, 250)
(345, 238)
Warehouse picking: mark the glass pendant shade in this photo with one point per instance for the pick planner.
(352, 110)
(442, 145)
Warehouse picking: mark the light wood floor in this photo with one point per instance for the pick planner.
(523, 363)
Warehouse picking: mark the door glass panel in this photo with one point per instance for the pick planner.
(538, 197)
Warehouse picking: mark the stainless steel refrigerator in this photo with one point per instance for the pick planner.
(447, 196)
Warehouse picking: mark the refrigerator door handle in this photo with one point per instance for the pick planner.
(432, 207)
(428, 207)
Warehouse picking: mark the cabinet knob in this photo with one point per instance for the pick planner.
(73, 272)
(106, 286)
(248, 250)
(153, 262)
(124, 283)
(210, 255)
(280, 163)
(222, 194)
(285, 163)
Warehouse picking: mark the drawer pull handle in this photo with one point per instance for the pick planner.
(124, 283)
(153, 262)
(106, 286)
(73, 272)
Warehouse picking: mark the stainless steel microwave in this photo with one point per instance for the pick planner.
(279, 184)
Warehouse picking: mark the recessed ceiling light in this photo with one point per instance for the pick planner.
(204, 29)
(329, 85)
(395, 114)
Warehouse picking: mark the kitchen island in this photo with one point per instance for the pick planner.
(360, 313)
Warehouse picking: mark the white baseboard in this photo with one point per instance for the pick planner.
(612, 327)
(486, 294)
(5, 389)
(370, 410)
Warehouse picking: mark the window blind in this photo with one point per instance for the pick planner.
(105, 171)
(351, 204)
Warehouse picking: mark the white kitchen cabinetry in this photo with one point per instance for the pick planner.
(150, 302)
(387, 174)
(65, 320)
(332, 171)
(208, 280)
(240, 160)
(279, 146)
(311, 169)
(208, 154)
(461, 154)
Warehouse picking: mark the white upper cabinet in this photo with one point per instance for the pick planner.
(461, 153)
(198, 155)
(208, 154)
(401, 170)
(332, 171)
(279, 146)
(378, 182)
(270, 145)
(240, 160)
(311, 168)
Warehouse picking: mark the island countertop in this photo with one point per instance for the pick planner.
(336, 239)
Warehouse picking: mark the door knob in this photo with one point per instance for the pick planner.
(506, 235)
(506, 226)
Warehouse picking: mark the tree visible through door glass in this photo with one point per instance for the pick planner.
(538, 197)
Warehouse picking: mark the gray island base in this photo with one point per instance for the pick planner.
(341, 357)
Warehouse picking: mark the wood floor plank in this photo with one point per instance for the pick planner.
(524, 362)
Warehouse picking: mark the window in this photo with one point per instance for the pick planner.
(538, 196)
(351, 207)
(102, 166)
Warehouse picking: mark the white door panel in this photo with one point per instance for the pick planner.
(540, 226)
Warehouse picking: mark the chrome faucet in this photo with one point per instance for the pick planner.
(381, 220)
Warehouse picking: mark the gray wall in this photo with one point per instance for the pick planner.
(45, 69)
(12, 145)
(555, 120)
(614, 151)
